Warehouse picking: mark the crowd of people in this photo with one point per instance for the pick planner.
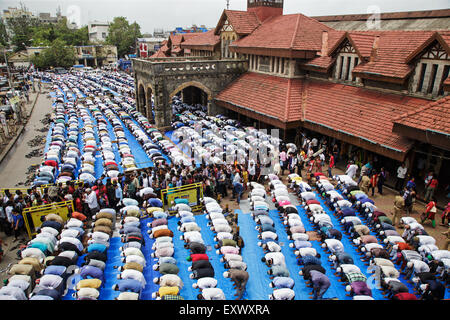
(133, 192)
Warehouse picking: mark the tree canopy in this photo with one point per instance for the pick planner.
(56, 55)
(123, 35)
(45, 34)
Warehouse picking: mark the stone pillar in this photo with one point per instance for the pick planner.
(426, 79)
(338, 67)
(163, 108)
(437, 82)
(344, 67)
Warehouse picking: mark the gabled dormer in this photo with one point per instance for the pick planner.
(234, 25)
(432, 65)
(346, 55)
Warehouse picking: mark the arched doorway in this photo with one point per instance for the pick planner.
(193, 93)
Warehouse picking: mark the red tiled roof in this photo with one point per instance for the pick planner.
(291, 32)
(176, 39)
(447, 84)
(363, 43)
(271, 96)
(324, 62)
(164, 48)
(393, 50)
(360, 112)
(202, 39)
(159, 54)
(434, 116)
(176, 50)
(243, 22)
(388, 15)
(354, 111)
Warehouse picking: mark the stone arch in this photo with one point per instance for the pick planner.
(196, 84)
(202, 95)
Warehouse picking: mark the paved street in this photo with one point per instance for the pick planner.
(14, 167)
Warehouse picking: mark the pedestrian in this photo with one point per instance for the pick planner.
(17, 223)
(365, 183)
(409, 197)
(373, 182)
(293, 163)
(401, 175)
(399, 205)
(283, 160)
(92, 202)
(411, 184)
(330, 165)
(380, 181)
(351, 169)
(430, 188)
(430, 213)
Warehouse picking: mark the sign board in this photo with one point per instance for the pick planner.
(192, 192)
(34, 216)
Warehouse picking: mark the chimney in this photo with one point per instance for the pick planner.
(374, 53)
(324, 51)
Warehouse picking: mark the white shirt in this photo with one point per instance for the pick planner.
(351, 171)
(92, 200)
(277, 258)
(213, 294)
(283, 294)
(206, 282)
(401, 172)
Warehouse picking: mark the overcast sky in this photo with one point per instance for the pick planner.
(168, 14)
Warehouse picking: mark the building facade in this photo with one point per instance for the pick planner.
(350, 85)
(98, 31)
(90, 56)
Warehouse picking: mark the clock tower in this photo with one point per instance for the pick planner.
(265, 9)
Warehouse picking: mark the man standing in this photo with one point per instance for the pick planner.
(430, 188)
(92, 201)
(380, 180)
(330, 165)
(351, 169)
(401, 174)
(399, 204)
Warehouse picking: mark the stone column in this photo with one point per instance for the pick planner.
(338, 67)
(426, 79)
(344, 67)
(437, 82)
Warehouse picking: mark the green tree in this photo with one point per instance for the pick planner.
(123, 35)
(22, 28)
(3, 34)
(57, 55)
(45, 34)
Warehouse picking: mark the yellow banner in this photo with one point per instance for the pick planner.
(190, 195)
(192, 192)
(37, 213)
